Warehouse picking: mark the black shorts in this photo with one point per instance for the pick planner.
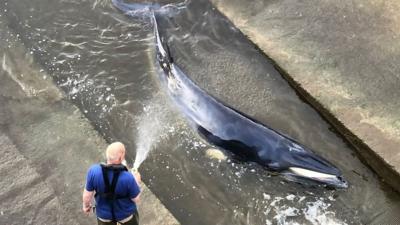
(133, 221)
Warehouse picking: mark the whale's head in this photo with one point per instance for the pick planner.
(304, 166)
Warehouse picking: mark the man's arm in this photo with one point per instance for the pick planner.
(136, 200)
(87, 197)
(138, 180)
(88, 191)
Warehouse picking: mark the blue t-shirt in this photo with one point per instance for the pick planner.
(126, 186)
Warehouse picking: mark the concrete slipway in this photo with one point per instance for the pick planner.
(342, 57)
(47, 145)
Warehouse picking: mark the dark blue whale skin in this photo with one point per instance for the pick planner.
(236, 132)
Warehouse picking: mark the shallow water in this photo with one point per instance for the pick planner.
(104, 61)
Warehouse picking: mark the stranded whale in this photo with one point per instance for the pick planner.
(236, 132)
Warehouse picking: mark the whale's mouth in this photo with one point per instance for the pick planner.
(323, 178)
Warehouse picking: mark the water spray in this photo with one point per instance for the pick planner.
(152, 127)
(136, 164)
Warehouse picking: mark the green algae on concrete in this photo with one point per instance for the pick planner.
(47, 145)
(342, 56)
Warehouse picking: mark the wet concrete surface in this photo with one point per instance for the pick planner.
(46, 146)
(342, 56)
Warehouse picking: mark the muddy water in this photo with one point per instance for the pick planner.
(104, 61)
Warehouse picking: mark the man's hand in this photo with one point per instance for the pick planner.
(137, 176)
(87, 197)
(86, 209)
(138, 179)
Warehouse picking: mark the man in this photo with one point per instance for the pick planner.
(116, 190)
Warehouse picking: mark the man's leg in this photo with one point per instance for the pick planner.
(134, 220)
(99, 222)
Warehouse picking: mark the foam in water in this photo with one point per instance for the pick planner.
(280, 210)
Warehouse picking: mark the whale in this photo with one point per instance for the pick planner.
(227, 128)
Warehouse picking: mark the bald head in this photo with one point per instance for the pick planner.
(115, 153)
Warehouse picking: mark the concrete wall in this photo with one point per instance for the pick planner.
(342, 56)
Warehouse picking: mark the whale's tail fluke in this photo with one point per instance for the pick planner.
(146, 9)
(135, 9)
(152, 10)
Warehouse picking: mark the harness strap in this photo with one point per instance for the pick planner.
(112, 191)
(109, 191)
(105, 178)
